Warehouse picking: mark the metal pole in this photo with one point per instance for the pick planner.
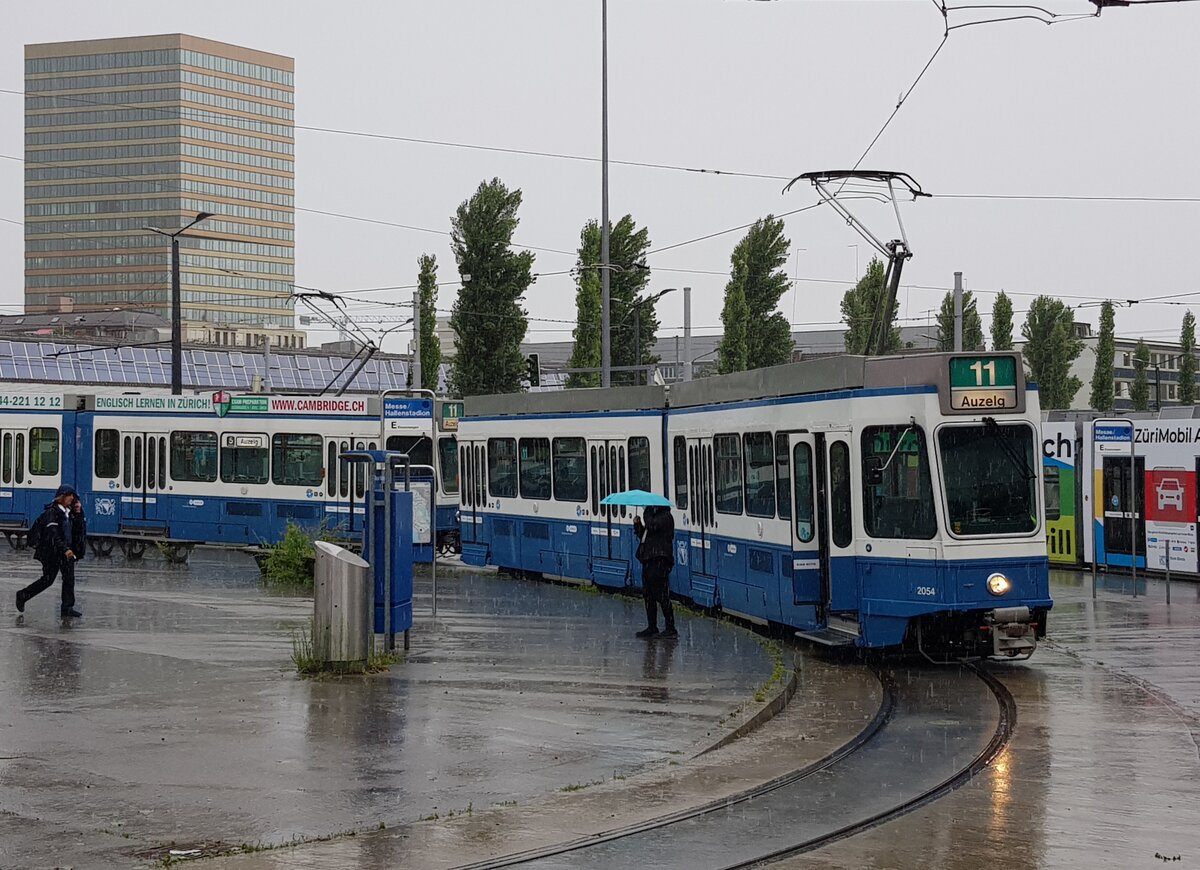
(1168, 572)
(678, 372)
(416, 357)
(389, 636)
(1133, 536)
(1157, 389)
(958, 312)
(687, 333)
(176, 323)
(1091, 468)
(605, 301)
(435, 461)
(267, 362)
(637, 342)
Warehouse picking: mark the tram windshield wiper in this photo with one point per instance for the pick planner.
(1018, 461)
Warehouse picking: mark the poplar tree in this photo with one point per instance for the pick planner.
(488, 317)
(758, 277)
(972, 325)
(1106, 351)
(858, 307)
(733, 352)
(431, 345)
(1050, 348)
(1002, 322)
(1187, 360)
(1139, 393)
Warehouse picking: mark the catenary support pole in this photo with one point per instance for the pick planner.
(176, 323)
(605, 300)
(958, 312)
(687, 333)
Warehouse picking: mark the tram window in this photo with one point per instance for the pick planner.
(901, 504)
(296, 460)
(805, 504)
(1053, 487)
(782, 481)
(728, 473)
(151, 463)
(127, 468)
(6, 475)
(331, 469)
(841, 518)
(535, 468)
(570, 469)
(106, 456)
(502, 467)
(620, 466)
(759, 453)
(344, 472)
(639, 463)
(137, 462)
(481, 484)
(990, 478)
(243, 458)
(19, 458)
(194, 456)
(448, 463)
(679, 473)
(162, 460)
(418, 447)
(43, 451)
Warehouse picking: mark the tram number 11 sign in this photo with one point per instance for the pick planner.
(984, 383)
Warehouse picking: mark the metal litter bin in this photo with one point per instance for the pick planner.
(342, 606)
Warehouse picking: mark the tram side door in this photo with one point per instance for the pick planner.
(1122, 503)
(602, 479)
(810, 550)
(14, 475)
(472, 464)
(143, 477)
(702, 561)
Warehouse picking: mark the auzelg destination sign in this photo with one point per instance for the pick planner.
(983, 383)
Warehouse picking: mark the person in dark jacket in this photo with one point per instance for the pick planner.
(657, 555)
(78, 546)
(55, 553)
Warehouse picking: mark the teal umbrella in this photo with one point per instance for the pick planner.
(636, 498)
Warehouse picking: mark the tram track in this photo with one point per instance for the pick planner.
(696, 837)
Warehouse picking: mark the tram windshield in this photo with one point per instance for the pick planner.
(990, 478)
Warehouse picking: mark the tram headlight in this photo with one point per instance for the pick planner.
(998, 584)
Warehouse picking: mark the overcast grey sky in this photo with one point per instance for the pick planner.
(1104, 106)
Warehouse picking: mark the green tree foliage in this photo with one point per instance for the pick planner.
(488, 317)
(733, 352)
(972, 325)
(1106, 351)
(1050, 348)
(858, 306)
(628, 277)
(431, 345)
(1002, 322)
(1139, 393)
(1187, 360)
(757, 282)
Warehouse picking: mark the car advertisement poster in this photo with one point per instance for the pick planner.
(1171, 519)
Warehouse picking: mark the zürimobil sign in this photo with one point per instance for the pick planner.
(222, 403)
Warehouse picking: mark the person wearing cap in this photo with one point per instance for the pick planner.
(55, 553)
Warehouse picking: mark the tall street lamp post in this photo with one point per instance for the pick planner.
(176, 307)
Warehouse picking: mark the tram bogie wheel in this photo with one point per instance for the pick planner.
(101, 546)
(133, 549)
(177, 554)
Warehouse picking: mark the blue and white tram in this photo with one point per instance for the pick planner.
(875, 502)
(220, 469)
(35, 456)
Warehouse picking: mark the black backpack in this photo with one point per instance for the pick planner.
(36, 532)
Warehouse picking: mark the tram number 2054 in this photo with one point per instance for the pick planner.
(926, 590)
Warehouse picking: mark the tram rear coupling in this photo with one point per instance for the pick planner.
(1013, 631)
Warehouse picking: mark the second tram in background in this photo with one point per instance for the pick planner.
(877, 502)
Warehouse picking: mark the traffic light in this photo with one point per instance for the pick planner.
(533, 370)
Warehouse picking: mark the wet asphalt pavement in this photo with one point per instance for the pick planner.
(170, 714)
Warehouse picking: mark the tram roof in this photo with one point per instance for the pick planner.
(820, 375)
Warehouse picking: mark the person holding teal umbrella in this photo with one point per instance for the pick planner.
(656, 552)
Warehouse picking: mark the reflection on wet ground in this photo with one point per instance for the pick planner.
(170, 712)
(1104, 768)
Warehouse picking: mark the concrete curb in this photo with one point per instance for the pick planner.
(764, 714)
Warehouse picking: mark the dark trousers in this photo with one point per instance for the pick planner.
(50, 570)
(656, 591)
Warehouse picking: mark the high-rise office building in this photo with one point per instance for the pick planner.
(121, 134)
